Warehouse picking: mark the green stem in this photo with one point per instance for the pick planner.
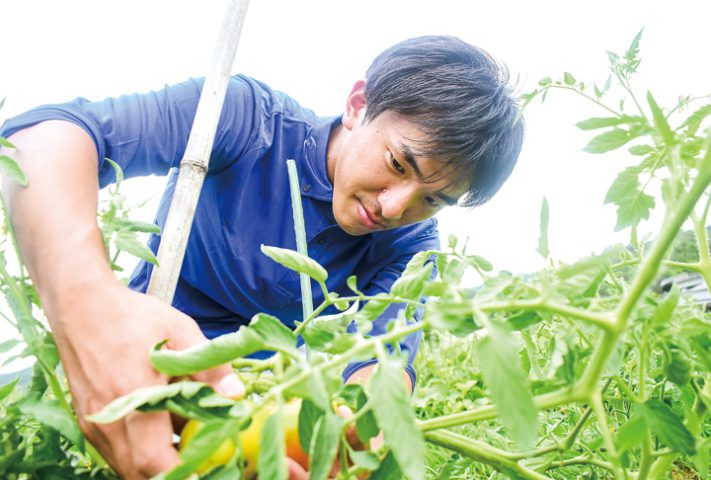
(592, 99)
(599, 409)
(645, 463)
(486, 412)
(300, 233)
(694, 267)
(484, 453)
(602, 320)
(583, 460)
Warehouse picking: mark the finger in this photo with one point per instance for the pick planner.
(296, 471)
(150, 436)
(222, 378)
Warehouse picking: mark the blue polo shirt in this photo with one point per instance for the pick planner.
(245, 201)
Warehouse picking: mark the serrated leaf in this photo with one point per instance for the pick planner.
(308, 417)
(128, 242)
(543, 235)
(137, 225)
(7, 389)
(272, 449)
(631, 434)
(568, 79)
(217, 351)
(391, 405)
(453, 316)
(388, 469)
(633, 204)
(677, 367)
(373, 308)
(50, 413)
(297, 262)
(608, 141)
(324, 446)
(660, 121)
(667, 426)
(12, 169)
(602, 122)
(410, 285)
(149, 396)
(497, 355)
(693, 121)
(640, 150)
(274, 333)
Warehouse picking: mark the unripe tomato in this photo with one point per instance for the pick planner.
(250, 437)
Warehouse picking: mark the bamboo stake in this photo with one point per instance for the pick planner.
(194, 165)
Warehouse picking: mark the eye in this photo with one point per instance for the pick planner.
(432, 202)
(396, 165)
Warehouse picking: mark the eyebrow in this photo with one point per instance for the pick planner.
(409, 157)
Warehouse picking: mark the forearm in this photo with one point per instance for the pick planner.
(54, 217)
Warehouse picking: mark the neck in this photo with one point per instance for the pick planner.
(335, 139)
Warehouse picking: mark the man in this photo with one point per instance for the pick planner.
(433, 124)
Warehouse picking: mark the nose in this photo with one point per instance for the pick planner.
(395, 200)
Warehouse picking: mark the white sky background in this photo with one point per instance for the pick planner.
(53, 51)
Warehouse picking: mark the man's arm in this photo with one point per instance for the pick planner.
(102, 329)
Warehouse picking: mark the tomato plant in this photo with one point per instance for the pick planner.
(582, 370)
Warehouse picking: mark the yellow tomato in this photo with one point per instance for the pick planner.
(250, 437)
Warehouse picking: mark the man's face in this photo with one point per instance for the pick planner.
(379, 180)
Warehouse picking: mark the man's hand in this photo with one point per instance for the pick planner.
(106, 356)
(103, 330)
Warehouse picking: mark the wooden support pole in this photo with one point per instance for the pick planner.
(194, 165)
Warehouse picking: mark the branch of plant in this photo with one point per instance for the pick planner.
(626, 85)
(600, 319)
(592, 99)
(582, 460)
(486, 412)
(599, 409)
(481, 452)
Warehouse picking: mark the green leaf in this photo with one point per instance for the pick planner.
(136, 225)
(312, 388)
(217, 351)
(631, 434)
(390, 401)
(366, 424)
(453, 316)
(388, 470)
(633, 204)
(693, 121)
(667, 426)
(568, 79)
(410, 285)
(660, 121)
(297, 262)
(373, 308)
(608, 141)
(602, 122)
(497, 355)
(352, 283)
(202, 445)
(308, 417)
(272, 449)
(364, 459)
(4, 142)
(641, 150)
(544, 82)
(153, 396)
(543, 237)
(481, 262)
(324, 340)
(274, 333)
(13, 170)
(677, 367)
(128, 242)
(50, 413)
(7, 389)
(8, 345)
(324, 446)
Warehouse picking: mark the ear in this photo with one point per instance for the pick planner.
(355, 105)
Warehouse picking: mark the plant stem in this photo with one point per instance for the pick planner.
(602, 320)
(592, 99)
(486, 412)
(484, 453)
(300, 234)
(599, 409)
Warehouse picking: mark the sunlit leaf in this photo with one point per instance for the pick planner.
(608, 141)
(543, 235)
(296, 261)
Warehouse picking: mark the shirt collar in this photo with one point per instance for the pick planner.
(314, 179)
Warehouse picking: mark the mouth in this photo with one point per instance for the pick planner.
(367, 219)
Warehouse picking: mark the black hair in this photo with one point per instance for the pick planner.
(460, 97)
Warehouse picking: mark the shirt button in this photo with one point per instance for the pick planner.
(321, 240)
(307, 187)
